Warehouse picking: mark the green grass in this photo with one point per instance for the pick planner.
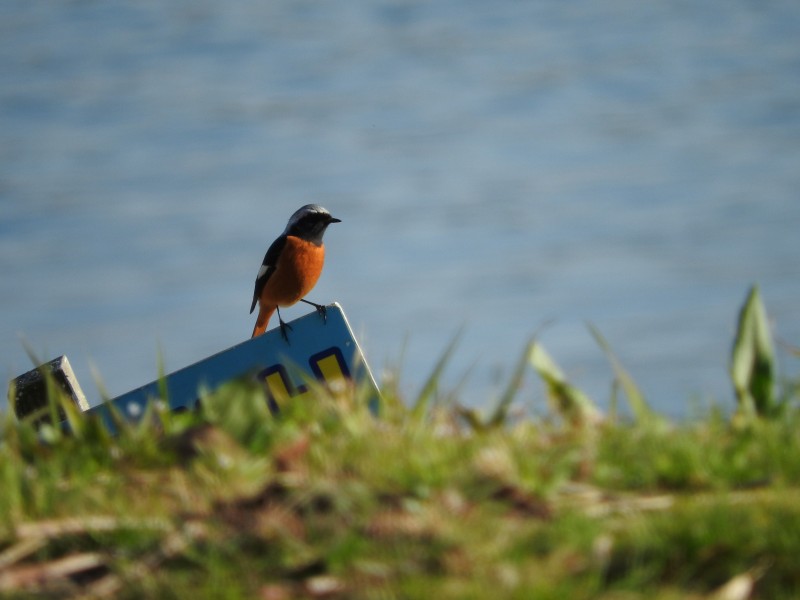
(326, 500)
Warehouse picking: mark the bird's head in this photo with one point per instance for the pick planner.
(309, 223)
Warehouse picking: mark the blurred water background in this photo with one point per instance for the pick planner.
(496, 165)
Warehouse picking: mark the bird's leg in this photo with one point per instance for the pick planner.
(321, 310)
(284, 326)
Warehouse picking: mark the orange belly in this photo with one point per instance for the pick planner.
(296, 272)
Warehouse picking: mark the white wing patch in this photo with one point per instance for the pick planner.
(263, 271)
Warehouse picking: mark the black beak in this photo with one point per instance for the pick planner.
(334, 220)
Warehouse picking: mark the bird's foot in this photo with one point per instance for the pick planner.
(284, 328)
(284, 325)
(322, 311)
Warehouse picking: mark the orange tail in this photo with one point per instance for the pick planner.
(264, 315)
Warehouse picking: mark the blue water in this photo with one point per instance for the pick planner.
(509, 167)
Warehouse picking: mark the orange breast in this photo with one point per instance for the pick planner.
(297, 271)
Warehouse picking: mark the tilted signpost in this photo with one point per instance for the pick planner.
(318, 348)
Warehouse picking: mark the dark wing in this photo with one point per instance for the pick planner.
(267, 267)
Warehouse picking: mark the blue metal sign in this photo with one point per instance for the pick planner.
(320, 348)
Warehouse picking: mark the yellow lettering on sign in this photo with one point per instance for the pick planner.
(328, 366)
(276, 386)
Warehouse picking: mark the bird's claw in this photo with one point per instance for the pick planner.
(322, 311)
(284, 326)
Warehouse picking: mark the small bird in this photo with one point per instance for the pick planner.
(291, 266)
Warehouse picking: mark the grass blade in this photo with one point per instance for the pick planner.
(752, 364)
(636, 400)
(501, 410)
(570, 402)
(423, 400)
